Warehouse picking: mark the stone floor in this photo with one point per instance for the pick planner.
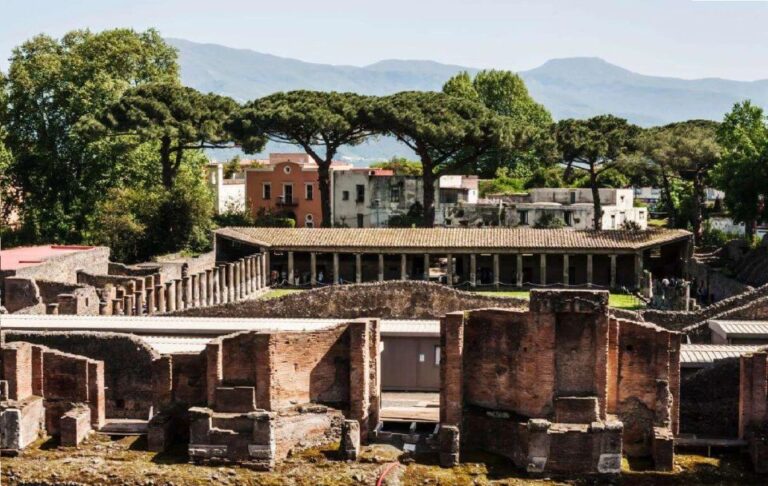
(421, 406)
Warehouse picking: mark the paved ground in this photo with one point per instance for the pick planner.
(422, 406)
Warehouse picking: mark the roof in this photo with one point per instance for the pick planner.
(28, 256)
(700, 355)
(450, 239)
(739, 328)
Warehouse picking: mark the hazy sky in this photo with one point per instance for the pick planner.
(681, 38)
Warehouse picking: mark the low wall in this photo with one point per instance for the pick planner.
(63, 268)
(718, 285)
(385, 300)
(170, 266)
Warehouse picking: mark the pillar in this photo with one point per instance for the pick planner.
(336, 278)
(248, 281)
(241, 265)
(257, 271)
(290, 268)
(496, 271)
(209, 286)
(543, 268)
(138, 302)
(201, 281)
(160, 298)
(267, 269)
(150, 300)
(613, 271)
(230, 282)
(52, 309)
(566, 270)
(589, 270)
(381, 267)
(178, 291)
(223, 284)
(194, 291)
(235, 281)
(426, 267)
(128, 303)
(473, 270)
(254, 283)
(519, 269)
(639, 270)
(170, 296)
(216, 289)
(313, 269)
(403, 267)
(449, 270)
(103, 308)
(358, 268)
(117, 307)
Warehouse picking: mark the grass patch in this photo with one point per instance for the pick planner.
(618, 301)
(275, 293)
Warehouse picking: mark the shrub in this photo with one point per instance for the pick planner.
(549, 221)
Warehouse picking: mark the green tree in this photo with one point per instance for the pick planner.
(505, 93)
(743, 169)
(401, 166)
(176, 117)
(319, 122)
(689, 151)
(56, 89)
(448, 133)
(505, 182)
(594, 146)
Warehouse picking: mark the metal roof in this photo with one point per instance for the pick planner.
(176, 344)
(700, 355)
(739, 328)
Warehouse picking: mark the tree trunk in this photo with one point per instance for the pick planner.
(749, 230)
(699, 198)
(671, 210)
(165, 162)
(598, 220)
(324, 184)
(429, 196)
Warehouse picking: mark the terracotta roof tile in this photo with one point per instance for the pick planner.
(360, 239)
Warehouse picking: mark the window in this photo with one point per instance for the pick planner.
(523, 216)
(288, 193)
(394, 194)
(567, 218)
(309, 221)
(267, 191)
(360, 220)
(309, 191)
(573, 198)
(345, 195)
(437, 355)
(360, 191)
(287, 169)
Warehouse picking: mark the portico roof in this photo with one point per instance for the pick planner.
(405, 240)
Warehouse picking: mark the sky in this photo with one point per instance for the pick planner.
(678, 38)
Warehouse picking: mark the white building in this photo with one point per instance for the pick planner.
(228, 194)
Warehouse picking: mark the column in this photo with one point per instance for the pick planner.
(312, 269)
(613, 271)
(543, 268)
(381, 267)
(170, 296)
(201, 281)
(248, 276)
(235, 282)
(103, 308)
(230, 282)
(186, 284)
(194, 291)
(150, 300)
(336, 278)
(117, 307)
(267, 269)
(519, 269)
(403, 267)
(138, 302)
(223, 284)
(160, 298)
(216, 289)
(243, 289)
(209, 286)
(178, 291)
(566, 270)
(254, 284)
(589, 270)
(257, 271)
(639, 270)
(358, 268)
(473, 270)
(426, 267)
(496, 271)
(128, 305)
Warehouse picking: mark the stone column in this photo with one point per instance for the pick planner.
(639, 270)
(178, 290)
(449, 270)
(403, 267)
(312, 269)
(186, 284)
(160, 298)
(613, 271)
(566, 270)
(267, 269)
(290, 268)
(358, 268)
(103, 308)
(216, 292)
(451, 366)
(247, 267)
(139, 303)
(117, 307)
(150, 300)
(194, 291)
(230, 282)
(496, 271)
(473, 270)
(336, 278)
(52, 309)
(235, 282)
(128, 305)
(426, 267)
(223, 269)
(241, 281)
(201, 280)
(589, 270)
(254, 284)
(381, 267)
(519, 270)
(170, 296)
(543, 268)
(209, 286)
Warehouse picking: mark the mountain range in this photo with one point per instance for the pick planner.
(577, 87)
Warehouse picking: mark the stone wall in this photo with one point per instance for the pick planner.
(63, 268)
(753, 406)
(386, 300)
(718, 285)
(709, 400)
(170, 266)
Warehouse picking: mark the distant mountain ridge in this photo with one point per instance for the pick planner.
(577, 87)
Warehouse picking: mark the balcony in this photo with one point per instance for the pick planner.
(287, 202)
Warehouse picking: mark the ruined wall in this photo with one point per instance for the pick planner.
(20, 293)
(127, 365)
(386, 300)
(63, 268)
(719, 286)
(709, 400)
(188, 375)
(170, 266)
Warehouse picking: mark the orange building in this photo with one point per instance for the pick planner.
(287, 185)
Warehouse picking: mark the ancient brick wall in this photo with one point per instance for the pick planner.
(127, 361)
(385, 300)
(20, 293)
(188, 375)
(63, 268)
(709, 400)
